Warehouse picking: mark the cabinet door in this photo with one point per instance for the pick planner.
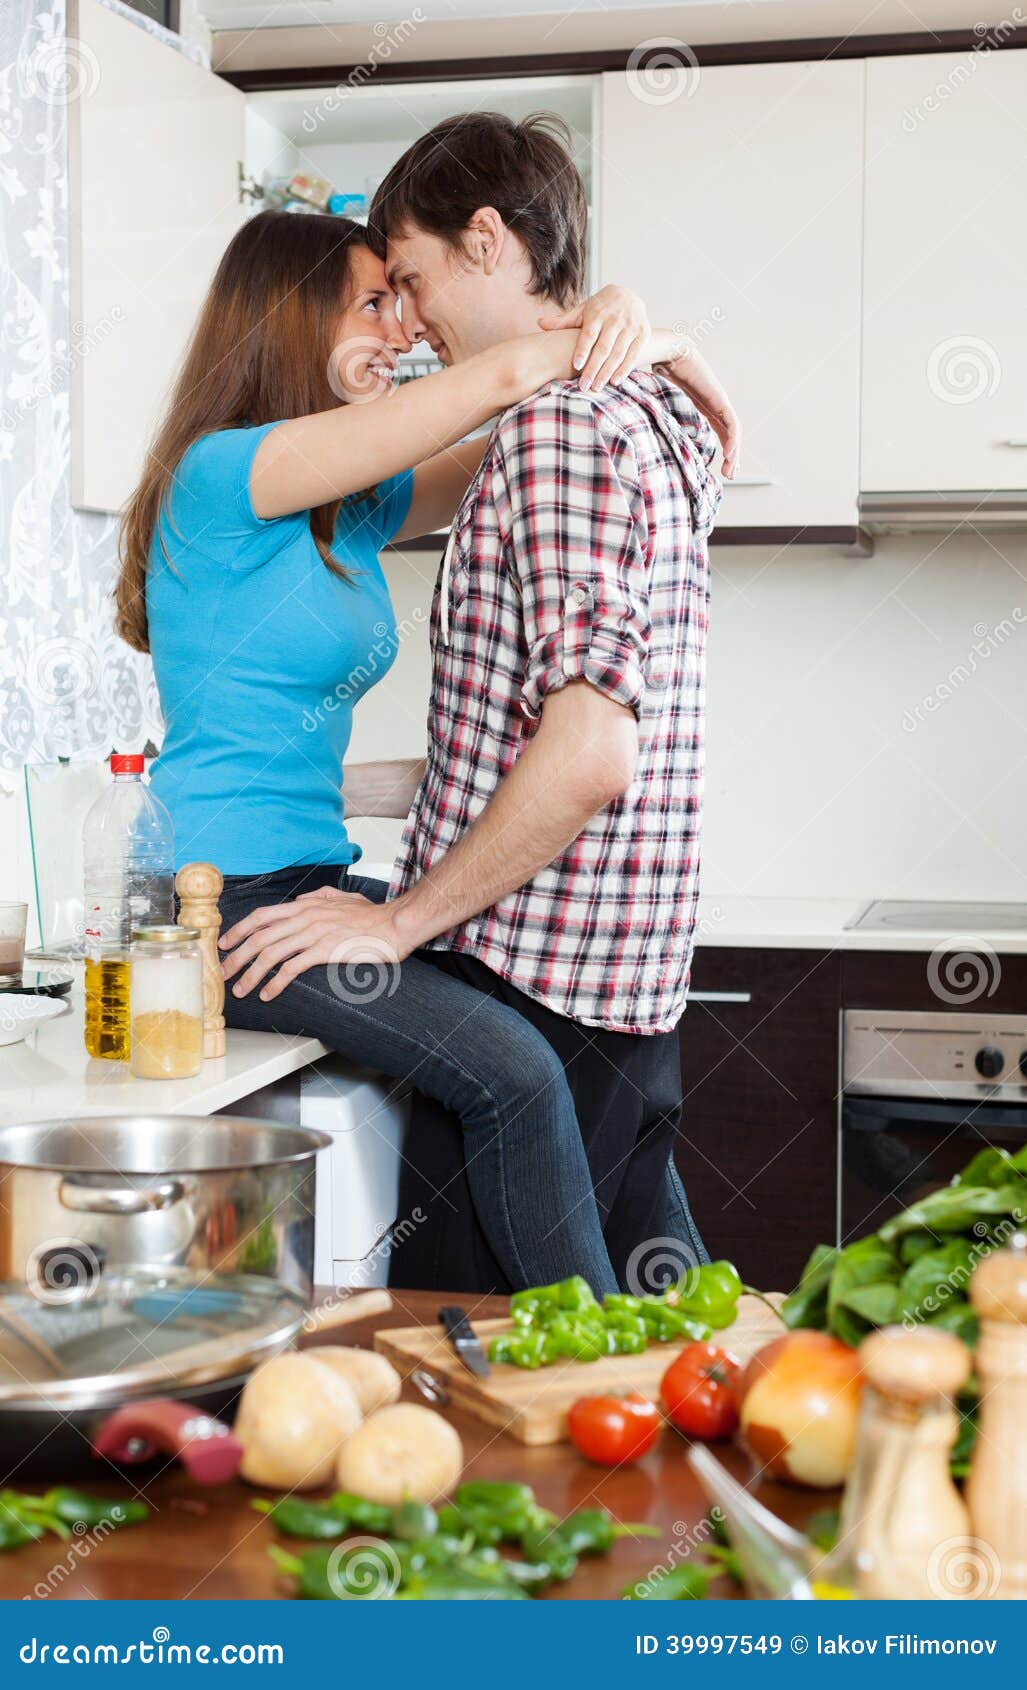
(733, 205)
(155, 147)
(945, 346)
(757, 1149)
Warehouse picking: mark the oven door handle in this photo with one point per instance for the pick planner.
(981, 1120)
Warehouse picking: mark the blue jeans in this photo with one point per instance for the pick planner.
(525, 1161)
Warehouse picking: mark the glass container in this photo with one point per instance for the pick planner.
(166, 991)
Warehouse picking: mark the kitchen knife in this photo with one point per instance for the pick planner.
(466, 1347)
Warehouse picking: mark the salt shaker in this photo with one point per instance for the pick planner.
(997, 1486)
(904, 1529)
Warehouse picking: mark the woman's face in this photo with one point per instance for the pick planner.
(368, 336)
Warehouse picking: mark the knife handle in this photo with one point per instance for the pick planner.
(454, 1322)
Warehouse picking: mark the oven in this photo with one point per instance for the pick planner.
(921, 1092)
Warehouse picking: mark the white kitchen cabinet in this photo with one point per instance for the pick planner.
(159, 150)
(733, 203)
(155, 144)
(945, 286)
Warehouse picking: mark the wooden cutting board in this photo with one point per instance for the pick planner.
(532, 1405)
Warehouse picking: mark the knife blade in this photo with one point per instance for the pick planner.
(466, 1346)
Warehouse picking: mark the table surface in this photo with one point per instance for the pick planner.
(49, 1077)
(209, 1544)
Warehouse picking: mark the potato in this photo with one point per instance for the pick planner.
(294, 1416)
(374, 1381)
(402, 1453)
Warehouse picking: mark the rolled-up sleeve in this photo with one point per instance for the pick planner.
(575, 526)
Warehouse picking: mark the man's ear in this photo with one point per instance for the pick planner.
(484, 239)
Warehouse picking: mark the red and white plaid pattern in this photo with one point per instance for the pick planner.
(580, 553)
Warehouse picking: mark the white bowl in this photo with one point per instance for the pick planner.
(22, 1012)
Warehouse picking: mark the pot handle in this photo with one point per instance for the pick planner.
(76, 1193)
(140, 1430)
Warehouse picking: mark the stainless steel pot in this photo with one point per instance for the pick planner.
(211, 1193)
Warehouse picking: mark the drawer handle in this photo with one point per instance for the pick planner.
(720, 997)
(757, 481)
(1014, 442)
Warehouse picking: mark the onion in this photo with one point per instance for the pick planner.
(799, 1407)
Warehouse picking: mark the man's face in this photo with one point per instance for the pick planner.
(447, 299)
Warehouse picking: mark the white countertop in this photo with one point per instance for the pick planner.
(818, 924)
(49, 1076)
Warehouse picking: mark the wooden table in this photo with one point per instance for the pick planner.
(211, 1544)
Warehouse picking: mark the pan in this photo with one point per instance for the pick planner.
(150, 1366)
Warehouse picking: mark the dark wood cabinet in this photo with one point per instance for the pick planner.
(757, 1149)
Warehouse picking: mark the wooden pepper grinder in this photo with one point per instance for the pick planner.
(198, 886)
(904, 1528)
(997, 1486)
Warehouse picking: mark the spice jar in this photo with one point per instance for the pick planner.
(166, 991)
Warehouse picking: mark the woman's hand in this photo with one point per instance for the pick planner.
(686, 367)
(614, 327)
(342, 930)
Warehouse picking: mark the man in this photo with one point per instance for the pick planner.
(551, 855)
(552, 851)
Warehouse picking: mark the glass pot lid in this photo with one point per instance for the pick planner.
(143, 1331)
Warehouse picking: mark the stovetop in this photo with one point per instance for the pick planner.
(925, 916)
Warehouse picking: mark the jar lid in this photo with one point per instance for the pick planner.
(126, 763)
(165, 935)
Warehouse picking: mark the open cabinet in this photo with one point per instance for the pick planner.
(167, 160)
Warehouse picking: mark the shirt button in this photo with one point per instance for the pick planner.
(578, 596)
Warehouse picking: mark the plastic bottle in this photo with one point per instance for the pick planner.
(128, 852)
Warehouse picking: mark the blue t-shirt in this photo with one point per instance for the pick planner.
(260, 654)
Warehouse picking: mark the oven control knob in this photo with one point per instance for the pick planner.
(988, 1062)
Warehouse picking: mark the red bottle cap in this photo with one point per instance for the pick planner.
(127, 763)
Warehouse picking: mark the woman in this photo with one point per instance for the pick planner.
(250, 570)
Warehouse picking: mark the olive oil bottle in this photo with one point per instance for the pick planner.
(107, 1011)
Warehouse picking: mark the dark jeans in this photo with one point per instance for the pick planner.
(522, 1171)
(627, 1095)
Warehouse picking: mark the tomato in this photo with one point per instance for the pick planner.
(614, 1431)
(698, 1390)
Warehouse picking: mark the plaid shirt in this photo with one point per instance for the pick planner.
(579, 552)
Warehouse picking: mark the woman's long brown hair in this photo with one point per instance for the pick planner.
(259, 353)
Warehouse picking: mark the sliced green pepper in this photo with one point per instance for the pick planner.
(75, 1508)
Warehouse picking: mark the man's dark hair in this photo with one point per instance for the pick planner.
(524, 170)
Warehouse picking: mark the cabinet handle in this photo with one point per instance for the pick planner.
(1014, 442)
(720, 997)
(752, 481)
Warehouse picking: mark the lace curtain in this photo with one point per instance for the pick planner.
(68, 686)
